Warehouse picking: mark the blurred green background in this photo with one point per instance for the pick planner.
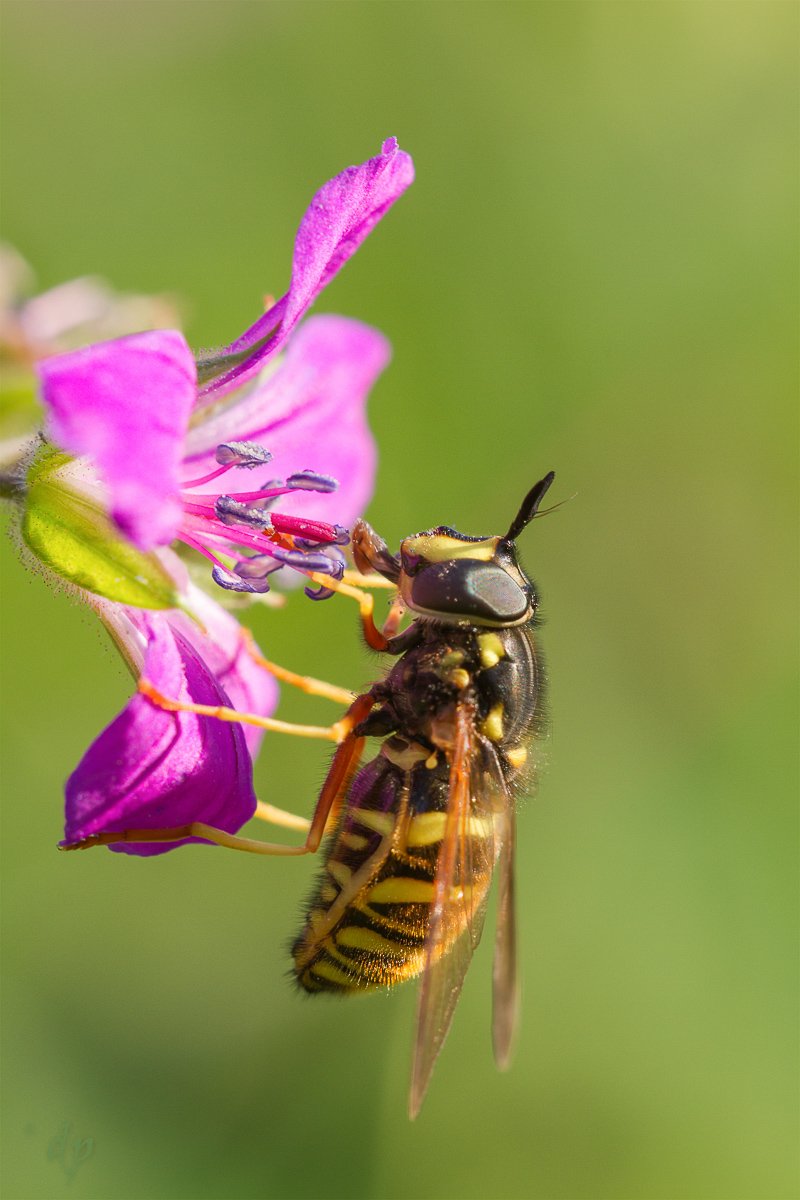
(595, 272)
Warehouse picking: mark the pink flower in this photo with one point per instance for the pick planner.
(152, 768)
(127, 406)
(145, 418)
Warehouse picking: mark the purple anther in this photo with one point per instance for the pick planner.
(242, 454)
(337, 571)
(307, 545)
(273, 485)
(232, 512)
(310, 562)
(258, 566)
(324, 593)
(312, 481)
(321, 593)
(260, 586)
(231, 585)
(342, 536)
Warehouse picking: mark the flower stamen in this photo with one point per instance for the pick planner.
(232, 512)
(234, 454)
(245, 520)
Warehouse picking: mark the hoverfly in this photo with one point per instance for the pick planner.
(408, 869)
(419, 830)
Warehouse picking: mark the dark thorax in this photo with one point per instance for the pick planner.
(498, 666)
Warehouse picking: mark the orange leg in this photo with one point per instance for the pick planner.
(306, 683)
(366, 604)
(392, 622)
(279, 816)
(373, 579)
(334, 789)
(331, 733)
(194, 829)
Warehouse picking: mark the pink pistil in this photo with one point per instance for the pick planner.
(315, 531)
(204, 532)
(239, 535)
(190, 483)
(201, 549)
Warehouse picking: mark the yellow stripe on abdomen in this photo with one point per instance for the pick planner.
(426, 829)
(360, 937)
(402, 890)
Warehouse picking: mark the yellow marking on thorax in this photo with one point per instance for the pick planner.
(440, 548)
(492, 725)
(459, 677)
(328, 892)
(491, 648)
(518, 756)
(354, 937)
(401, 891)
(426, 829)
(382, 823)
(453, 658)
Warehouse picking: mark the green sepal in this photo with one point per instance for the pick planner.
(75, 538)
(214, 365)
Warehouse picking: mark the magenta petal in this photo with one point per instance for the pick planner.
(126, 405)
(340, 216)
(310, 414)
(249, 687)
(151, 769)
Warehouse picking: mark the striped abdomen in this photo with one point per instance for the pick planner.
(368, 919)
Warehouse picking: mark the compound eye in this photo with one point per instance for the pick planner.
(469, 589)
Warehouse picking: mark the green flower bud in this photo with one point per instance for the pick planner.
(73, 536)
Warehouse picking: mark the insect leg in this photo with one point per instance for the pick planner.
(345, 761)
(306, 683)
(344, 764)
(194, 829)
(278, 816)
(392, 622)
(366, 603)
(371, 580)
(331, 733)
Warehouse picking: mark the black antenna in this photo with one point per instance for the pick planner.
(529, 506)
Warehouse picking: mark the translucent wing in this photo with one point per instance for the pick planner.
(505, 985)
(467, 856)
